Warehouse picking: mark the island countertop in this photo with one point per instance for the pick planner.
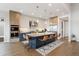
(40, 34)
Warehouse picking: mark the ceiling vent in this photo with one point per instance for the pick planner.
(37, 6)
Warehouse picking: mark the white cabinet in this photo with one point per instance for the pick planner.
(1, 28)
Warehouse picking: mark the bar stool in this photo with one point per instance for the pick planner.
(45, 38)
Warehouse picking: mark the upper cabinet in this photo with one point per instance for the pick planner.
(55, 24)
(53, 20)
(14, 17)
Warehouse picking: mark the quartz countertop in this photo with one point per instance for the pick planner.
(41, 34)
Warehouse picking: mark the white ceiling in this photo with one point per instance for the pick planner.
(42, 10)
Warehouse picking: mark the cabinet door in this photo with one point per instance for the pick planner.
(14, 18)
(53, 20)
(1, 29)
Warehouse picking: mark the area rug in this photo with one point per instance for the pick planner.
(44, 50)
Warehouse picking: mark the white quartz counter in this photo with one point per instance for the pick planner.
(40, 34)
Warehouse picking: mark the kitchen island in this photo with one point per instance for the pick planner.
(40, 39)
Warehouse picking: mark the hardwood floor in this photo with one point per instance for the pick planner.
(19, 49)
(67, 49)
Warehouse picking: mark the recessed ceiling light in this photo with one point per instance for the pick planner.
(21, 11)
(49, 4)
(37, 21)
(32, 13)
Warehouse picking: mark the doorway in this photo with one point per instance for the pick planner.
(1, 30)
(64, 27)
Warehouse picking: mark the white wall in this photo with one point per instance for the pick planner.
(24, 22)
(75, 20)
(5, 15)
